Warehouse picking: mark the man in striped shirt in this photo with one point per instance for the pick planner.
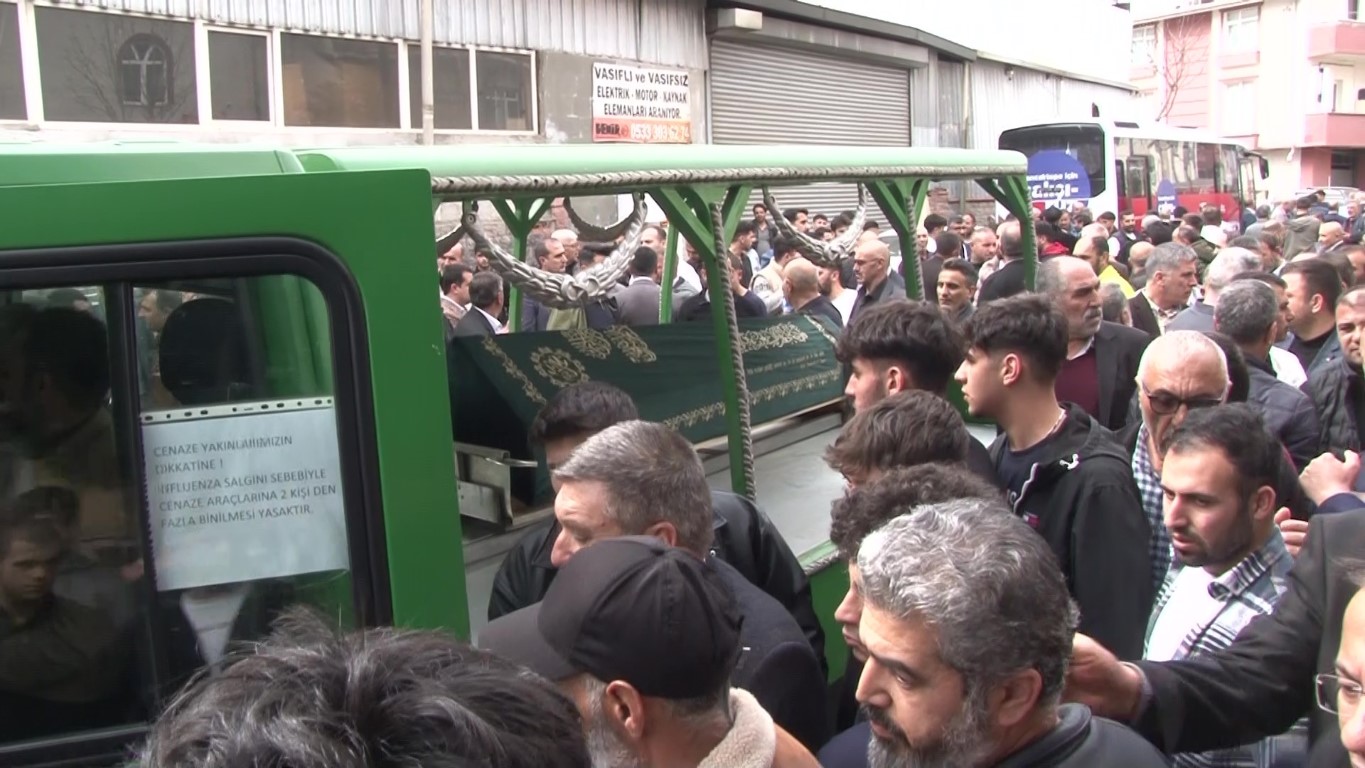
(1218, 487)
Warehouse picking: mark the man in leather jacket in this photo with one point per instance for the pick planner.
(744, 537)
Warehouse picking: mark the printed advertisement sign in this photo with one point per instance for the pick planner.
(641, 105)
(1054, 176)
(244, 497)
(1165, 197)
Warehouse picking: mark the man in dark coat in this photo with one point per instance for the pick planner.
(1265, 680)
(1062, 471)
(742, 535)
(1100, 370)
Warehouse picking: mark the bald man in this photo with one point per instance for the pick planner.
(1331, 237)
(1138, 253)
(801, 286)
(872, 265)
(1179, 370)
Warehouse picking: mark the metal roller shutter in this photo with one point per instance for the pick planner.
(766, 94)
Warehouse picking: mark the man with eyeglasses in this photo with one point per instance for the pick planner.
(1218, 478)
(1179, 371)
(1340, 691)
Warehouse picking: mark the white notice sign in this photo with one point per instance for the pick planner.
(641, 105)
(238, 498)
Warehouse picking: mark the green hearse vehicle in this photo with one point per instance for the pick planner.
(254, 405)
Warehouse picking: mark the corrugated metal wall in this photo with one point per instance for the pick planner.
(668, 32)
(770, 94)
(1000, 101)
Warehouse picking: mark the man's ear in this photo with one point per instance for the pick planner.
(624, 709)
(1011, 368)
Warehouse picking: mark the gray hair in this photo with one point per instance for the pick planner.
(652, 475)
(311, 697)
(1112, 302)
(1050, 280)
(1229, 263)
(1170, 257)
(1183, 346)
(700, 711)
(986, 582)
(1246, 311)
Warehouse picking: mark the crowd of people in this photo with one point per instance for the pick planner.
(1150, 565)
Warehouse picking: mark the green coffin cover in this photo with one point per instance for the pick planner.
(499, 383)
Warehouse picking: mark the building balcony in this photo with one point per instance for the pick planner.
(1338, 41)
(1334, 129)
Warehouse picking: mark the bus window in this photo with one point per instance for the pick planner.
(123, 573)
(1206, 168)
(1084, 142)
(1229, 168)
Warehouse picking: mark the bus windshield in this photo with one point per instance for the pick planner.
(1066, 163)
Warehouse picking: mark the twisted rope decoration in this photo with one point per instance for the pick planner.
(563, 291)
(592, 232)
(822, 254)
(746, 451)
(447, 241)
(466, 186)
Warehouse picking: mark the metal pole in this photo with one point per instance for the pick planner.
(670, 257)
(428, 82)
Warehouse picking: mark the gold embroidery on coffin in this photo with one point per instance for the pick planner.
(588, 342)
(708, 412)
(772, 337)
(820, 327)
(629, 343)
(558, 367)
(510, 365)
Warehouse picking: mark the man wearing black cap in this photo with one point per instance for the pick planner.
(644, 638)
(642, 479)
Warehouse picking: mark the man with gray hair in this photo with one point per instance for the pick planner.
(968, 629)
(637, 478)
(1101, 357)
(1172, 273)
(1248, 312)
(1228, 264)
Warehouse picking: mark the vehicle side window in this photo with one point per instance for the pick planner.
(169, 483)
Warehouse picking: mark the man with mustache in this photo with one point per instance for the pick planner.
(968, 627)
(1218, 483)
(1101, 358)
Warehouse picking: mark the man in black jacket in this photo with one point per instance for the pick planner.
(743, 536)
(1338, 388)
(1062, 471)
(638, 478)
(900, 346)
(1008, 280)
(1247, 312)
(1265, 680)
(1100, 370)
(967, 626)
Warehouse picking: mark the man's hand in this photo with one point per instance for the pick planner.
(1097, 679)
(1326, 476)
(1293, 531)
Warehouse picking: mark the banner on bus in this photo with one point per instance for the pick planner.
(1055, 177)
(641, 105)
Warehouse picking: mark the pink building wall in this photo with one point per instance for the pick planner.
(1187, 57)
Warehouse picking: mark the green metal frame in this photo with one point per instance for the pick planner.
(901, 201)
(690, 215)
(521, 216)
(1012, 192)
(670, 276)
